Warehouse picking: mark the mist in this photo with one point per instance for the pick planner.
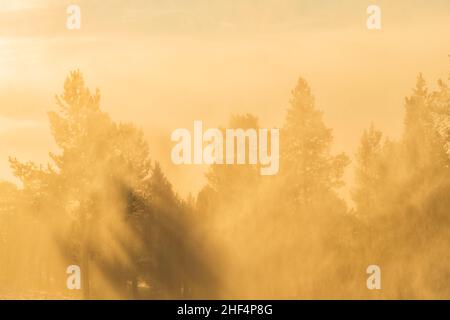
(87, 177)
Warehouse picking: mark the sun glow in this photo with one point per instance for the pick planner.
(16, 5)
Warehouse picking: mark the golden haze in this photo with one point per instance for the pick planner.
(106, 203)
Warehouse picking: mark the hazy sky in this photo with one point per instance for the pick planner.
(163, 64)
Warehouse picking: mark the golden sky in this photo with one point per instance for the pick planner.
(163, 64)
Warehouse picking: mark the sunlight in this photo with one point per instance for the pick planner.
(5, 59)
(9, 124)
(224, 150)
(17, 5)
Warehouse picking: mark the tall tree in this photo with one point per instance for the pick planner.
(97, 158)
(309, 167)
(406, 183)
(369, 170)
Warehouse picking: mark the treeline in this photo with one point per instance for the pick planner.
(104, 205)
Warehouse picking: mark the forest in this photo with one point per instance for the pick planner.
(103, 203)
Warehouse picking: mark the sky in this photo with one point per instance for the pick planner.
(163, 64)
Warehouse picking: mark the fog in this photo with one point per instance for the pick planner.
(88, 178)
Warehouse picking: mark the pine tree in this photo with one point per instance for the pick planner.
(308, 166)
(369, 170)
(423, 143)
(84, 186)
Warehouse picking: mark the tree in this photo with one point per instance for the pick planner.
(369, 170)
(257, 220)
(97, 159)
(309, 168)
(9, 210)
(423, 143)
(402, 191)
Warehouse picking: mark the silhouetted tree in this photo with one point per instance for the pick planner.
(308, 166)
